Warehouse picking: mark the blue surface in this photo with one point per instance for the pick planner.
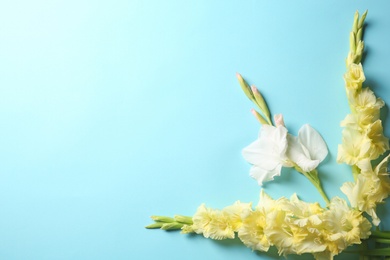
(112, 111)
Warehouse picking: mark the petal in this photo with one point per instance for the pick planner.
(269, 150)
(381, 168)
(262, 175)
(274, 139)
(255, 155)
(296, 154)
(252, 152)
(313, 142)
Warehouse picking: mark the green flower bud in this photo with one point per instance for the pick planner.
(352, 42)
(359, 35)
(259, 117)
(355, 22)
(155, 225)
(162, 219)
(362, 18)
(260, 102)
(183, 219)
(245, 87)
(171, 226)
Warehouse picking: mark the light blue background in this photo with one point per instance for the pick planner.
(112, 111)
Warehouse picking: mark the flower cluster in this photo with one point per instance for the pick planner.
(363, 139)
(291, 225)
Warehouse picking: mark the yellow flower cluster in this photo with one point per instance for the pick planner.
(363, 139)
(291, 225)
(217, 224)
(372, 186)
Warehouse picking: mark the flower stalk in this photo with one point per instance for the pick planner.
(312, 176)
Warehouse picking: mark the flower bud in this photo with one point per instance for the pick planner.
(279, 120)
(171, 226)
(162, 219)
(259, 100)
(245, 87)
(155, 225)
(259, 117)
(183, 219)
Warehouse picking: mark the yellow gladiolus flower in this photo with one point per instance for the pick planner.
(365, 102)
(343, 226)
(354, 77)
(234, 213)
(304, 213)
(354, 148)
(251, 231)
(358, 121)
(379, 143)
(218, 224)
(291, 225)
(371, 187)
(212, 223)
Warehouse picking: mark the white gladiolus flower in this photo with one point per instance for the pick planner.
(275, 149)
(268, 153)
(308, 149)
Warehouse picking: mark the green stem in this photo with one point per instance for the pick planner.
(313, 178)
(382, 240)
(381, 234)
(322, 193)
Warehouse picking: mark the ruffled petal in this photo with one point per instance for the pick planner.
(269, 151)
(313, 142)
(296, 153)
(262, 175)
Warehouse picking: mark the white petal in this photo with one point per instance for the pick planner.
(313, 142)
(296, 153)
(252, 152)
(275, 137)
(257, 156)
(262, 175)
(269, 150)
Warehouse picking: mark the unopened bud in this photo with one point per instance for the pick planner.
(245, 87)
(260, 101)
(279, 120)
(162, 219)
(183, 219)
(172, 226)
(155, 225)
(259, 117)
